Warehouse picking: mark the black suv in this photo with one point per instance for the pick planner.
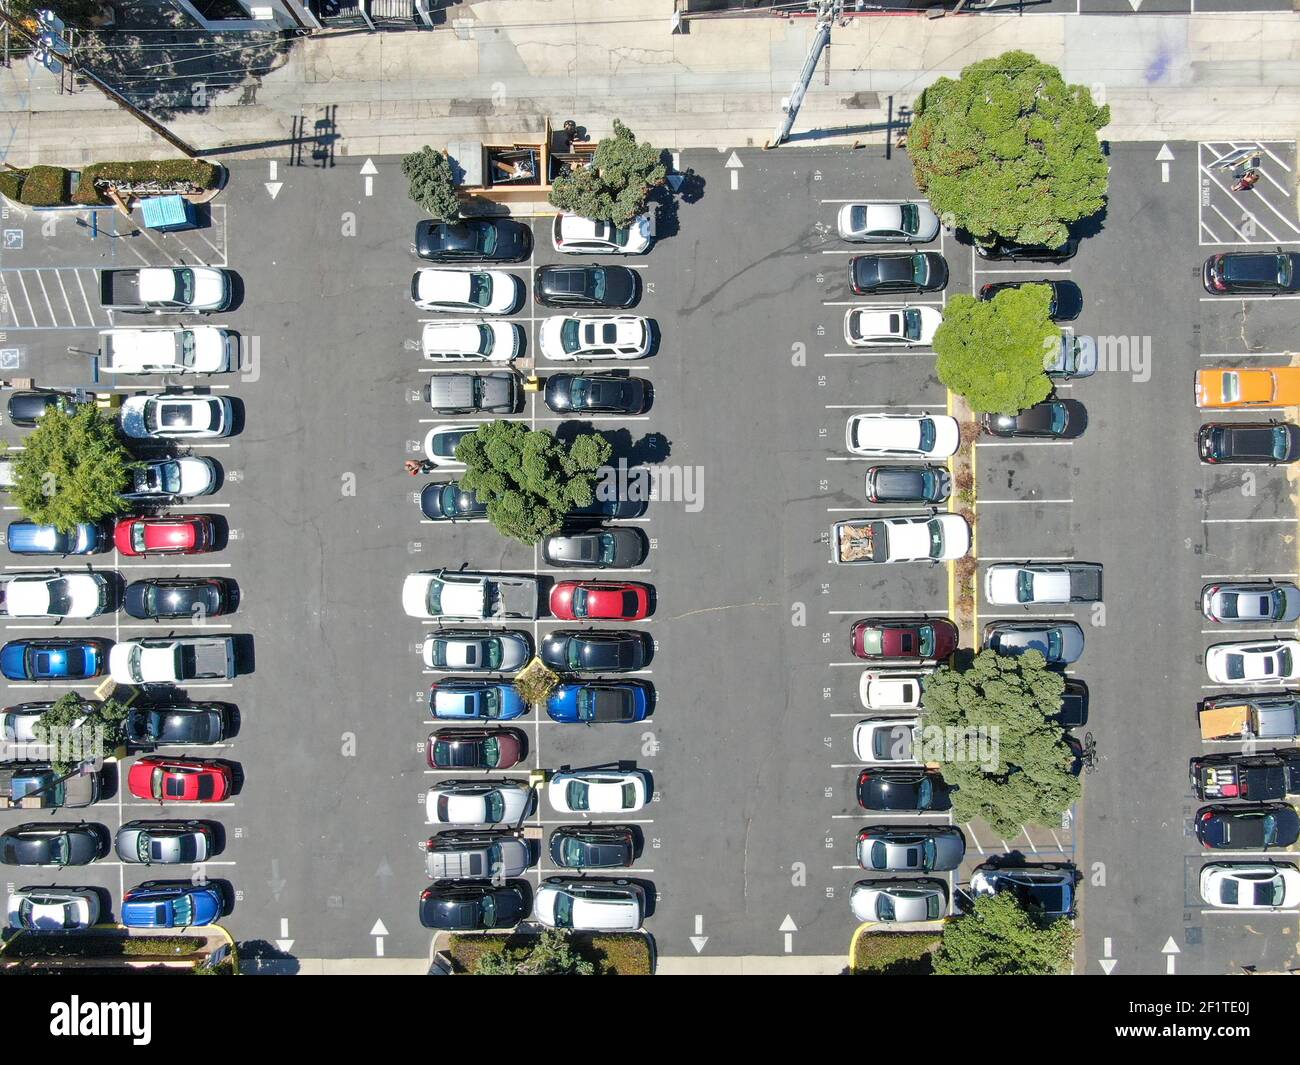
(1034, 253)
(1267, 442)
(586, 286)
(1267, 273)
(473, 240)
(468, 905)
(593, 846)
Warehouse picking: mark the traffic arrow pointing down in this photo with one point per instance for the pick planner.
(699, 939)
(273, 187)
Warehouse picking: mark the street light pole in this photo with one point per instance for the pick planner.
(827, 12)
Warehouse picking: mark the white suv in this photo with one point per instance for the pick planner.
(587, 236)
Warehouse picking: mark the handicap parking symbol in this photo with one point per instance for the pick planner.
(13, 240)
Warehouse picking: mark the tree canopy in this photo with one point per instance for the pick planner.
(1000, 938)
(1009, 149)
(1011, 698)
(528, 480)
(432, 184)
(72, 469)
(71, 724)
(614, 187)
(550, 954)
(993, 352)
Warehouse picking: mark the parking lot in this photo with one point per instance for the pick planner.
(749, 839)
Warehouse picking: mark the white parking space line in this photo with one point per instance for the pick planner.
(1251, 299)
(1237, 631)
(1024, 270)
(1245, 355)
(864, 354)
(1023, 443)
(1241, 521)
(1021, 558)
(1243, 576)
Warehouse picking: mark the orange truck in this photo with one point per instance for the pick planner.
(1256, 386)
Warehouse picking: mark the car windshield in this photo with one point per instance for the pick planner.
(485, 340)
(1025, 586)
(936, 539)
(1058, 418)
(1279, 442)
(1284, 271)
(586, 705)
(492, 654)
(143, 848)
(1053, 645)
(487, 239)
(580, 603)
(928, 432)
(569, 339)
(927, 854)
(1235, 667)
(491, 703)
(578, 794)
(183, 910)
(885, 910)
(563, 910)
(1276, 604)
(1283, 662)
(447, 498)
(607, 546)
(621, 236)
(578, 389)
(927, 641)
(133, 660)
(491, 750)
(184, 286)
(495, 806)
(920, 272)
(434, 597)
(598, 284)
(925, 794)
(911, 218)
(912, 324)
(60, 600)
(1231, 388)
(572, 852)
(1270, 829)
(480, 289)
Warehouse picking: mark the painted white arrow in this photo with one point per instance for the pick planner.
(1164, 157)
(273, 187)
(734, 164)
(1170, 951)
(699, 939)
(1106, 962)
(284, 942)
(379, 931)
(789, 928)
(368, 171)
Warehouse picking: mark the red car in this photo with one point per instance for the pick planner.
(172, 536)
(600, 601)
(903, 640)
(179, 780)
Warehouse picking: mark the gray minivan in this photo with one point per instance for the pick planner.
(474, 393)
(476, 856)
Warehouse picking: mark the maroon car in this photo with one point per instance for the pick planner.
(903, 640)
(453, 748)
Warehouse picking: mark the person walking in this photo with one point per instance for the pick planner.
(1246, 181)
(415, 467)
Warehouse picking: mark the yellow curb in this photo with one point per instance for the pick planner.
(853, 941)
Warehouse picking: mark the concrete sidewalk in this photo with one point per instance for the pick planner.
(781, 965)
(507, 64)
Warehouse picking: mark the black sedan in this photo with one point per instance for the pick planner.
(595, 651)
(921, 271)
(1065, 304)
(1255, 442)
(473, 240)
(1074, 705)
(1051, 419)
(447, 501)
(469, 905)
(54, 843)
(28, 408)
(586, 286)
(908, 484)
(901, 788)
(611, 507)
(1262, 273)
(151, 726)
(593, 846)
(1252, 828)
(1036, 253)
(619, 548)
(178, 597)
(595, 393)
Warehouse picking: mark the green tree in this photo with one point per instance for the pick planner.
(614, 187)
(1022, 775)
(1000, 938)
(528, 479)
(1009, 149)
(993, 351)
(433, 186)
(72, 469)
(73, 724)
(550, 954)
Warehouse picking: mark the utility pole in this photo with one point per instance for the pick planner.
(827, 12)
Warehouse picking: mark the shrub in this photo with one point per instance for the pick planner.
(893, 954)
(37, 186)
(165, 171)
(432, 184)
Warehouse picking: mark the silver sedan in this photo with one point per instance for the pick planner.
(899, 901)
(477, 650)
(1251, 603)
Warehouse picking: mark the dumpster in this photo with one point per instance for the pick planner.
(168, 213)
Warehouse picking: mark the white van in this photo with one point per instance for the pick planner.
(472, 341)
(198, 349)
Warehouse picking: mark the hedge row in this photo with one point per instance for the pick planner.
(101, 945)
(48, 186)
(894, 953)
(613, 954)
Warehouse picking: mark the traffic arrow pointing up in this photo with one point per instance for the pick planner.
(368, 167)
(1164, 155)
(788, 925)
(379, 929)
(733, 162)
(1170, 947)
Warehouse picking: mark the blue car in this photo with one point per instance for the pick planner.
(600, 702)
(171, 904)
(28, 538)
(475, 700)
(56, 659)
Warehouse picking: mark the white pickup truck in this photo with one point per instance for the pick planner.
(55, 594)
(172, 661)
(938, 538)
(198, 349)
(1023, 583)
(165, 290)
(469, 596)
